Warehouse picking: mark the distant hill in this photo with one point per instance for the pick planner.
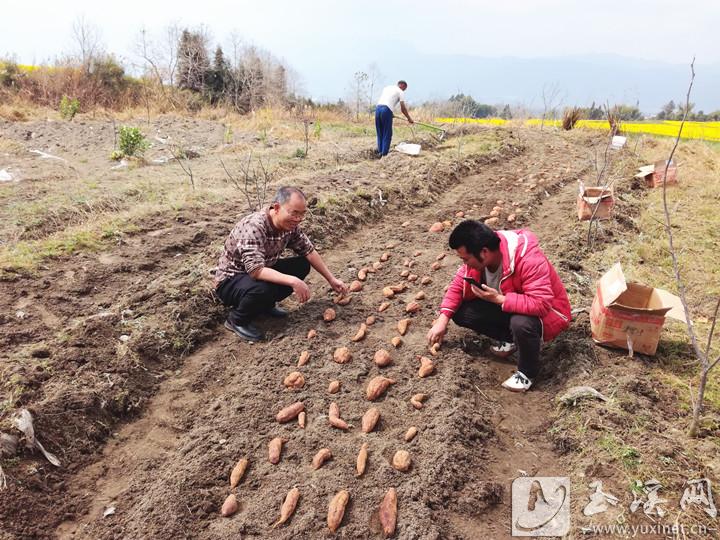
(582, 79)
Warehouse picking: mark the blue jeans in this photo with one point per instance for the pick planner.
(383, 127)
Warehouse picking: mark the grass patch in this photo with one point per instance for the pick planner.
(628, 456)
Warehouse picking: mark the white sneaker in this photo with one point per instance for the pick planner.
(503, 349)
(517, 382)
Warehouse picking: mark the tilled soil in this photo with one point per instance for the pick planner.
(166, 472)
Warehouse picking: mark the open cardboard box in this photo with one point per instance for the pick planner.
(653, 174)
(631, 315)
(595, 196)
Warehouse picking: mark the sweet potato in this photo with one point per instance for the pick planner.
(342, 355)
(420, 295)
(362, 274)
(377, 265)
(288, 506)
(417, 253)
(440, 256)
(406, 262)
(494, 213)
(360, 333)
(417, 400)
(370, 270)
(304, 356)
(400, 287)
(334, 417)
(302, 418)
(311, 333)
(356, 286)
(436, 265)
(405, 224)
(410, 433)
(382, 358)
(230, 506)
(370, 419)
(426, 367)
(411, 264)
(492, 221)
(447, 223)
(500, 202)
(321, 457)
(342, 300)
(434, 348)
(511, 218)
(384, 257)
(377, 386)
(383, 306)
(396, 341)
(370, 320)
(238, 472)
(294, 380)
(334, 387)
(336, 510)
(290, 412)
(402, 461)
(413, 307)
(275, 449)
(412, 278)
(497, 208)
(402, 326)
(436, 227)
(388, 512)
(405, 273)
(388, 292)
(426, 280)
(329, 315)
(362, 459)
(391, 245)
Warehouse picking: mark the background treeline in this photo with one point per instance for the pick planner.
(175, 70)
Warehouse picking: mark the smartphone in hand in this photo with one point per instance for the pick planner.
(472, 281)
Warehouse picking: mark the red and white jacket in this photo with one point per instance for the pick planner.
(529, 282)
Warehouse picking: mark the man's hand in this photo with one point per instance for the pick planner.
(488, 294)
(437, 332)
(301, 290)
(338, 285)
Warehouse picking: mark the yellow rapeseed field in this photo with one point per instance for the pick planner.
(707, 131)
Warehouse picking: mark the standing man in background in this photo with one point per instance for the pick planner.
(389, 98)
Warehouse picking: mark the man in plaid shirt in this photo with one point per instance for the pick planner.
(251, 277)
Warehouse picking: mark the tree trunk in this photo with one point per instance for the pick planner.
(698, 408)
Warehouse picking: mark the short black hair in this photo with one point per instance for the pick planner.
(474, 236)
(284, 193)
(402, 82)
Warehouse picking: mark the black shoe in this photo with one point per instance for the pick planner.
(277, 312)
(247, 331)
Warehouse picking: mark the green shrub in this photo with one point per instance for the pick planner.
(69, 107)
(132, 142)
(300, 153)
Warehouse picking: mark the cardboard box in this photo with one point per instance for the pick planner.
(590, 198)
(630, 315)
(653, 174)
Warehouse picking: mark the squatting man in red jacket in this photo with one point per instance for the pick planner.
(251, 277)
(507, 290)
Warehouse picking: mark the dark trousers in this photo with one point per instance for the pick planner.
(490, 320)
(383, 128)
(248, 297)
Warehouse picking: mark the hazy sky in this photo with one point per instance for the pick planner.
(310, 35)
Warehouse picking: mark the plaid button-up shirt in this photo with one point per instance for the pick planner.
(254, 243)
